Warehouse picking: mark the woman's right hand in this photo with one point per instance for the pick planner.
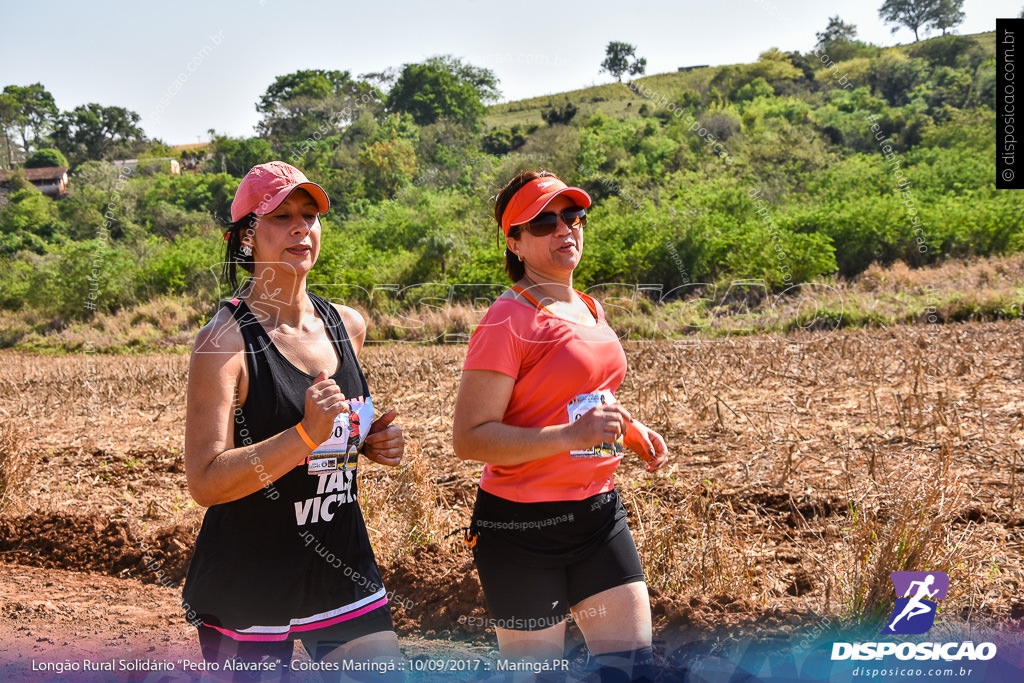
(601, 424)
(324, 402)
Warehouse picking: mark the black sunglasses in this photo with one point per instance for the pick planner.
(545, 223)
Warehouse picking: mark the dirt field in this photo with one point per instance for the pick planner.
(803, 471)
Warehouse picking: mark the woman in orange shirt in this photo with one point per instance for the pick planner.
(537, 406)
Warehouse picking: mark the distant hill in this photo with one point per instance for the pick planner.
(776, 174)
(617, 100)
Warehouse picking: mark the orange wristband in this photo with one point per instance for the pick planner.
(305, 437)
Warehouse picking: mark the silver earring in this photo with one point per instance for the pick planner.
(246, 250)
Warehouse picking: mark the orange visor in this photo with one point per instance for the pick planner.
(532, 197)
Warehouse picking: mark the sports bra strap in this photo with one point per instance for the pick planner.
(529, 297)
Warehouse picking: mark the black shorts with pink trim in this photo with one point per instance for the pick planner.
(219, 644)
(369, 615)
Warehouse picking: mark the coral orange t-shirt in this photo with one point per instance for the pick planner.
(561, 369)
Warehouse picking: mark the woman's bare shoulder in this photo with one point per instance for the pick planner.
(221, 335)
(355, 324)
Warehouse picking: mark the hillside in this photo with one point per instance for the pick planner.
(612, 98)
(793, 169)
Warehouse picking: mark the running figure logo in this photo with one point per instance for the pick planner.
(353, 434)
(914, 612)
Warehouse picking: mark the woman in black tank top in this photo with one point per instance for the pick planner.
(279, 418)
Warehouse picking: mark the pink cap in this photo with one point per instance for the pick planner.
(265, 186)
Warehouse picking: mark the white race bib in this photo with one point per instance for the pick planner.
(580, 405)
(349, 432)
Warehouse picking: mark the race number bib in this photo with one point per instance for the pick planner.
(580, 405)
(339, 452)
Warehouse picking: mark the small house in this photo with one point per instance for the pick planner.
(149, 166)
(50, 180)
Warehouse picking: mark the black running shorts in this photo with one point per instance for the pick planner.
(536, 560)
(217, 647)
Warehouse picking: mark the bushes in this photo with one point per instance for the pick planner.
(388, 165)
(71, 281)
(28, 221)
(756, 88)
(559, 115)
(773, 67)
(503, 140)
(206, 193)
(674, 244)
(46, 157)
(188, 265)
(672, 190)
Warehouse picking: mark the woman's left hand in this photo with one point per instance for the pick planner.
(646, 443)
(385, 443)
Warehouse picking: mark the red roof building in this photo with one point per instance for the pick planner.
(50, 180)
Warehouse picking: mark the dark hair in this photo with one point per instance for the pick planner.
(233, 256)
(513, 266)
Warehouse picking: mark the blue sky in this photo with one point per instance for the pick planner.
(189, 66)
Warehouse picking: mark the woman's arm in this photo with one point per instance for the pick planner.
(479, 433)
(646, 443)
(216, 470)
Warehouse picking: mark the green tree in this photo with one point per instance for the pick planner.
(43, 158)
(94, 132)
(36, 111)
(237, 155)
(28, 220)
(621, 58)
(388, 164)
(439, 248)
(837, 31)
(483, 80)
(501, 141)
(638, 67)
(912, 14)
(751, 91)
(948, 14)
(312, 102)
(443, 87)
(8, 123)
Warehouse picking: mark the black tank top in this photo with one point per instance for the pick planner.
(294, 556)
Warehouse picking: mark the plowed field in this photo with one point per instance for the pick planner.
(798, 466)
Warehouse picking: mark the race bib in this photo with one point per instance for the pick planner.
(339, 452)
(580, 405)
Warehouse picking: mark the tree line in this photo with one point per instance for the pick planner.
(685, 170)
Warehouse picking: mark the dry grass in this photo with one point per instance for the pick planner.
(905, 522)
(162, 324)
(803, 470)
(693, 541)
(13, 465)
(977, 290)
